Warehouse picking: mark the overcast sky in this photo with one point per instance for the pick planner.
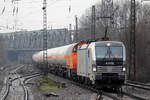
(30, 13)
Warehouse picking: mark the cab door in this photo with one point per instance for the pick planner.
(82, 61)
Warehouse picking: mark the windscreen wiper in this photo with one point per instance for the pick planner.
(106, 55)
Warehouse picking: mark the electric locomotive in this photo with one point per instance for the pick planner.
(102, 63)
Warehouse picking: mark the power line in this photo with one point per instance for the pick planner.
(3, 10)
(40, 2)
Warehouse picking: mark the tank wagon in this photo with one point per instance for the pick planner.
(97, 63)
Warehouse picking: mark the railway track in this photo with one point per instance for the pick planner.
(6, 90)
(138, 85)
(23, 83)
(26, 95)
(134, 97)
(8, 82)
(114, 96)
(99, 92)
(135, 82)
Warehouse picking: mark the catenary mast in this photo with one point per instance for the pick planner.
(45, 60)
(132, 40)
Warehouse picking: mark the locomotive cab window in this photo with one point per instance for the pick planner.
(79, 46)
(75, 48)
(109, 52)
(85, 46)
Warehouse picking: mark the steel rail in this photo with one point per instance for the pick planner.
(108, 94)
(133, 96)
(138, 86)
(28, 75)
(26, 94)
(9, 82)
(138, 83)
(6, 91)
(101, 92)
(94, 89)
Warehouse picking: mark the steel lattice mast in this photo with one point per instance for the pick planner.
(45, 62)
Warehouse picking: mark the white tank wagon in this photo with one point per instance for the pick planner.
(64, 56)
(55, 55)
(37, 57)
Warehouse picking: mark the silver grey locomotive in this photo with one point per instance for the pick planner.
(102, 63)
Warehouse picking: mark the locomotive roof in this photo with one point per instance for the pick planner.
(103, 43)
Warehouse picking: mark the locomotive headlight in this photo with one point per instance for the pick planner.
(123, 69)
(94, 68)
(108, 44)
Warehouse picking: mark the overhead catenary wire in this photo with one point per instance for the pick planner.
(23, 3)
(35, 2)
(3, 10)
(16, 10)
(70, 6)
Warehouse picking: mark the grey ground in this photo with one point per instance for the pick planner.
(71, 92)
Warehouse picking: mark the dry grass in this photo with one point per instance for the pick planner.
(49, 84)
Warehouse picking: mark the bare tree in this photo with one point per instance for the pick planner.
(119, 29)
